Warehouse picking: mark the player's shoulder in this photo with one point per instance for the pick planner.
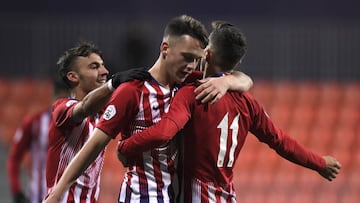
(129, 87)
(243, 96)
(248, 95)
(65, 101)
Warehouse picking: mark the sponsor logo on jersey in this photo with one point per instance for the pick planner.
(109, 112)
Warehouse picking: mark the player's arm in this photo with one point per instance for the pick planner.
(213, 88)
(95, 100)
(123, 98)
(20, 145)
(149, 138)
(79, 164)
(178, 115)
(287, 147)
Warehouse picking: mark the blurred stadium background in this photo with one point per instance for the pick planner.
(303, 57)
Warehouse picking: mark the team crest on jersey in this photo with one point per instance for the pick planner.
(70, 102)
(109, 112)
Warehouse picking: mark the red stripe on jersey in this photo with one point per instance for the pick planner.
(71, 193)
(157, 173)
(83, 195)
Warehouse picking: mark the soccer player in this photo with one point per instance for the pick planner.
(214, 134)
(137, 105)
(32, 137)
(74, 118)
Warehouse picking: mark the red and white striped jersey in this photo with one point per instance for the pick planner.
(66, 138)
(213, 138)
(31, 137)
(135, 106)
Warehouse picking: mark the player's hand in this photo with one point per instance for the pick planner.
(122, 158)
(128, 75)
(332, 168)
(20, 198)
(211, 89)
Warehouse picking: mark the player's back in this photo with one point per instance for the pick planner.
(213, 139)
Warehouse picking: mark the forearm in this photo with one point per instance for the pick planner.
(92, 103)
(298, 154)
(239, 81)
(148, 139)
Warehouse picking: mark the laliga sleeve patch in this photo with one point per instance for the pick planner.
(70, 102)
(109, 112)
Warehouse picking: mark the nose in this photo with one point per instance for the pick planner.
(103, 70)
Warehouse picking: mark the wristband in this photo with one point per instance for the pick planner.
(109, 85)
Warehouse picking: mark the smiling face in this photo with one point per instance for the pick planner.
(181, 57)
(89, 72)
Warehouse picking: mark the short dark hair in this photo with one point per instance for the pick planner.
(67, 59)
(187, 25)
(228, 44)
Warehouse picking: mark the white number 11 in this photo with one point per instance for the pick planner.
(224, 127)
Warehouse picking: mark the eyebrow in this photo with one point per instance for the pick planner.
(187, 54)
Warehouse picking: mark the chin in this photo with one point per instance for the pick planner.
(180, 80)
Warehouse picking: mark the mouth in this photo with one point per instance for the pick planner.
(102, 81)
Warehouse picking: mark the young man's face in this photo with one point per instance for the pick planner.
(91, 72)
(182, 57)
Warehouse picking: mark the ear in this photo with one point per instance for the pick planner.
(208, 55)
(72, 76)
(164, 48)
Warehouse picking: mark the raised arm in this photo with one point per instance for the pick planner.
(95, 100)
(213, 88)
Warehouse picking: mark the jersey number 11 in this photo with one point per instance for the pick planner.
(224, 127)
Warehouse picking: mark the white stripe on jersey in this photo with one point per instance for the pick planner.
(148, 167)
(211, 193)
(196, 191)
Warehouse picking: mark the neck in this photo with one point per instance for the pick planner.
(158, 72)
(212, 70)
(77, 94)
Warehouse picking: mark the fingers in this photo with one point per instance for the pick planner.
(337, 165)
(208, 98)
(331, 172)
(207, 92)
(203, 85)
(208, 95)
